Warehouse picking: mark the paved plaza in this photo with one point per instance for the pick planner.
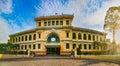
(56, 62)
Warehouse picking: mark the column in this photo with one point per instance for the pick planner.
(36, 46)
(27, 37)
(91, 46)
(86, 36)
(87, 46)
(20, 47)
(95, 37)
(76, 35)
(31, 46)
(82, 36)
(82, 46)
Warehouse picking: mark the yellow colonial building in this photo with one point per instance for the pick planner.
(55, 35)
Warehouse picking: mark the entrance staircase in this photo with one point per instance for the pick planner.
(53, 57)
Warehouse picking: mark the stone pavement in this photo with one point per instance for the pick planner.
(56, 61)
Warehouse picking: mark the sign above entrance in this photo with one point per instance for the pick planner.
(53, 45)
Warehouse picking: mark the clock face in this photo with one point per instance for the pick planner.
(53, 39)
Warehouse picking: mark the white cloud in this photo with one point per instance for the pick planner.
(4, 30)
(5, 6)
(85, 15)
(10, 27)
(14, 27)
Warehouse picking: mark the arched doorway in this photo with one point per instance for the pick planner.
(53, 38)
(53, 44)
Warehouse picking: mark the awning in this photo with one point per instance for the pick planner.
(53, 45)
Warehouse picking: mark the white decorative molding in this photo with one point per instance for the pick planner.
(53, 30)
(46, 32)
(60, 32)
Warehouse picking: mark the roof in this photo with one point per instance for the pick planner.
(23, 32)
(54, 17)
(64, 27)
(87, 30)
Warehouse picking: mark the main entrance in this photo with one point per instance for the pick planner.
(53, 44)
(53, 51)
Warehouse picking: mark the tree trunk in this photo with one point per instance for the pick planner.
(113, 42)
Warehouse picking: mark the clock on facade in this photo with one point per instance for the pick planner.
(53, 39)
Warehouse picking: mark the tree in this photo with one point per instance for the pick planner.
(96, 44)
(102, 45)
(8, 48)
(112, 21)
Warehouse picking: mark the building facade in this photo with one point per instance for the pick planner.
(55, 35)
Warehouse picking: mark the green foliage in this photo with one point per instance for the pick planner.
(78, 51)
(112, 20)
(96, 43)
(72, 53)
(7, 48)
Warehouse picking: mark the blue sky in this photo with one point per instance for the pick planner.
(18, 15)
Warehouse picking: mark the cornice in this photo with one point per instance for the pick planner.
(54, 17)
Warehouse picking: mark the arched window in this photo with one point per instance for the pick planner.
(53, 22)
(45, 23)
(67, 34)
(49, 23)
(39, 35)
(34, 46)
(34, 37)
(97, 38)
(25, 46)
(85, 46)
(79, 36)
(93, 37)
(16, 39)
(22, 38)
(67, 45)
(85, 37)
(25, 38)
(53, 38)
(39, 23)
(67, 22)
(57, 22)
(89, 37)
(30, 37)
(74, 46)
(19, 39)
(61, 22)
(39, 46)
(89, 46)
(74, 36)
(29, 46)
(80, 46)
(22, 47)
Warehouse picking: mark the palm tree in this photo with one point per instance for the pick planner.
(112, 22)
